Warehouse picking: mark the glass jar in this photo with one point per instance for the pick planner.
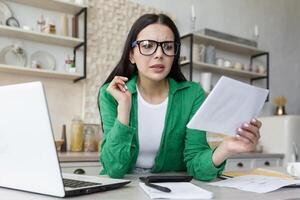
(77, 134)
(90, 143)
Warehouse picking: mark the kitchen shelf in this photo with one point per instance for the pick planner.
(38, 72)
(62, 6)
(228, 46)
(225, 44)
(53, 39)
(224, 71)
(54, 5)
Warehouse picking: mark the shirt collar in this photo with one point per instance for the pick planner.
(174, 85)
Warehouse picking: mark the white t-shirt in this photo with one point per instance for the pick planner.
(151, 121)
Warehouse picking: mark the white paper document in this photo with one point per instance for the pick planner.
(229, 104)
(179, 190)
(255, 183)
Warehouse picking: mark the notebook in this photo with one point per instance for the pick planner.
(179, 190)
(29, 160)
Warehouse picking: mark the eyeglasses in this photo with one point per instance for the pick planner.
(149, 47)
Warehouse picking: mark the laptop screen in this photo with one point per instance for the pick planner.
(27, 150)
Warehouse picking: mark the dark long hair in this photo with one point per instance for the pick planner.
(124, 66)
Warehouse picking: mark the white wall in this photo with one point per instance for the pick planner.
(278, 22)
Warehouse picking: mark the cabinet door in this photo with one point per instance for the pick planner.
(86, 168)
(268, 162)
(239, 164)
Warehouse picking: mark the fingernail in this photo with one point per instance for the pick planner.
(253, 120)
(246, 124)
(237, 135)
(240, 130)
(125, 86)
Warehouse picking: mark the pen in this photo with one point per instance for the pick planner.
(224, 177)
(158, 187)
(292, 186)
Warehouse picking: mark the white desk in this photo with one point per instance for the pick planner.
(134, 192)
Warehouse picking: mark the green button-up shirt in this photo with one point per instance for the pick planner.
(181, 148)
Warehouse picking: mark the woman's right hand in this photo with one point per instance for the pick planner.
(118, 89)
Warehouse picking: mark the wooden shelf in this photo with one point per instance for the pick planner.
(38, 72)
(222, 70)
(53, 39)
(226, 45)
(54, 5)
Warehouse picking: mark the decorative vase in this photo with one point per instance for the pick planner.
(280, 110)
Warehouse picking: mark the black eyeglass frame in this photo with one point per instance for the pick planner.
(137, 43)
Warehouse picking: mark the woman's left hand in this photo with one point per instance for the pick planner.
(246, 138)
(244, 141)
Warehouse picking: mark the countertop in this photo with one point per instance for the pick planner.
(133, 192)
(94, 156)
(78, 157)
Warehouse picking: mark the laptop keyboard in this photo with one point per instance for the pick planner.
(77, 184)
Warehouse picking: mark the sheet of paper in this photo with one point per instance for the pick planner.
(229, 104)
(179, 190)
(255, 183)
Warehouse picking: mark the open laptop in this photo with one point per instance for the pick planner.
(28, 156)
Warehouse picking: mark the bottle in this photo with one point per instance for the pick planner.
(76, 134)
(67, 63)
(64, 138)
(41, 22)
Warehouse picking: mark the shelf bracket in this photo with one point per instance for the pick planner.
(84, 44)
(191, 36)
(267, 70)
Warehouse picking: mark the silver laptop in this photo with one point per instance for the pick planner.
(28, 155)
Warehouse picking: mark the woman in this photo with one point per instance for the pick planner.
(146, 103)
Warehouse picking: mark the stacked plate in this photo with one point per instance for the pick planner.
(43, 60)
(13, 55)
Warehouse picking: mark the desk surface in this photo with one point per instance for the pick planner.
(133, 192)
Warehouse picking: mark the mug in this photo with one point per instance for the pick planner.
(227, 63)
(220, 62)
(238, 66)
(293, 168)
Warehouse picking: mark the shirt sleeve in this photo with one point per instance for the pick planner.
(117, 149)
(197, 152)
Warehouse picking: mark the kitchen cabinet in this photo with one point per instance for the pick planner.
(86, 168)
(80, 162)
(280, 134)
(254, 160)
